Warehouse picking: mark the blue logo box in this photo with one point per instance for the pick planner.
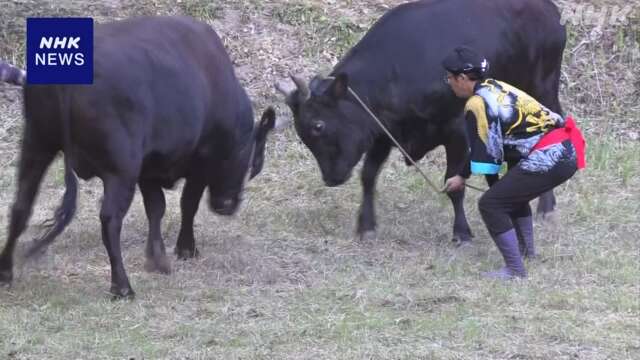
(59, 51)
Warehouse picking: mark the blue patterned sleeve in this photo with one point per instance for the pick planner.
(485, 139)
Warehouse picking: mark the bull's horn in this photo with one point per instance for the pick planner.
(281, 88)
(22, 78)
(12, 74)
(303, 88)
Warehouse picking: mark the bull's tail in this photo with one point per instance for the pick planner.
(66, 210)
(11, 74)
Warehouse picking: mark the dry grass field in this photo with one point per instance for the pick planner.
(284, 279)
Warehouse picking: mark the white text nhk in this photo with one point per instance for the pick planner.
(56, 58)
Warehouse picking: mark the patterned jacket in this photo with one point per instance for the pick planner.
(504, 124)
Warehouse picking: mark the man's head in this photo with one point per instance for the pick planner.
(464, 68)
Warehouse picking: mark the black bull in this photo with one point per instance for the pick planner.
(165, 104)
(396, 69)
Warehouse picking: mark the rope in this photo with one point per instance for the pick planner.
(402, 150)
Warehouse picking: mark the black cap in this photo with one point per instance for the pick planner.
(465, 60)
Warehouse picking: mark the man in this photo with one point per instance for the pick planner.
(542, 151)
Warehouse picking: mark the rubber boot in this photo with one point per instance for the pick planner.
(507, 243)
(524, 229)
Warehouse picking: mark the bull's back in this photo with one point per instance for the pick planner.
(175, 69)
(418, 35)
(161, 86)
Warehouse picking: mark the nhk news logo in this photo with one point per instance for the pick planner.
(59, 51)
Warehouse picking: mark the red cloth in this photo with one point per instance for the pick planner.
(571, 132)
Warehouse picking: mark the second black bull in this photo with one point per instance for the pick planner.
(396, 69)
(165, 104)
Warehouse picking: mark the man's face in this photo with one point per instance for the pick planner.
(459, 84)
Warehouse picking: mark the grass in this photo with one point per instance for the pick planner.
(201, 9)
(326, 34)
(284, 279)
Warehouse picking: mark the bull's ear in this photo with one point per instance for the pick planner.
(339, 87)
(266, 124)
(268, 121)
(314, 84)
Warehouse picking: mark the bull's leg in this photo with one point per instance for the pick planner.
(546, 204)
(189, 203)
(154, 205)
(33, 164)
(548, 94)
(372, 165)
(118, 193)
(491, 179)
(461, 231)
(456, 150)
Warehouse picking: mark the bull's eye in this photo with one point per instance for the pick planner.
(318, 127)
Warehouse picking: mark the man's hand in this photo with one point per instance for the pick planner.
(453, 184)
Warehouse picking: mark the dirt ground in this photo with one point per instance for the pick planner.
(283, 279)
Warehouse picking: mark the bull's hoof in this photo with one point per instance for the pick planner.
(368, 237)
(549, 217)
(6, 276)
(6, 271)
(158, 264)
(464, 244)
(462, 238)
(187, 254)
(125, 293)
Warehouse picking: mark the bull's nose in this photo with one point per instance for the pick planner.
(332, 182)
(335, 181)
(224, 207)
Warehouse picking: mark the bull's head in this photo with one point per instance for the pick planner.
(227, 184)
(334, 127)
